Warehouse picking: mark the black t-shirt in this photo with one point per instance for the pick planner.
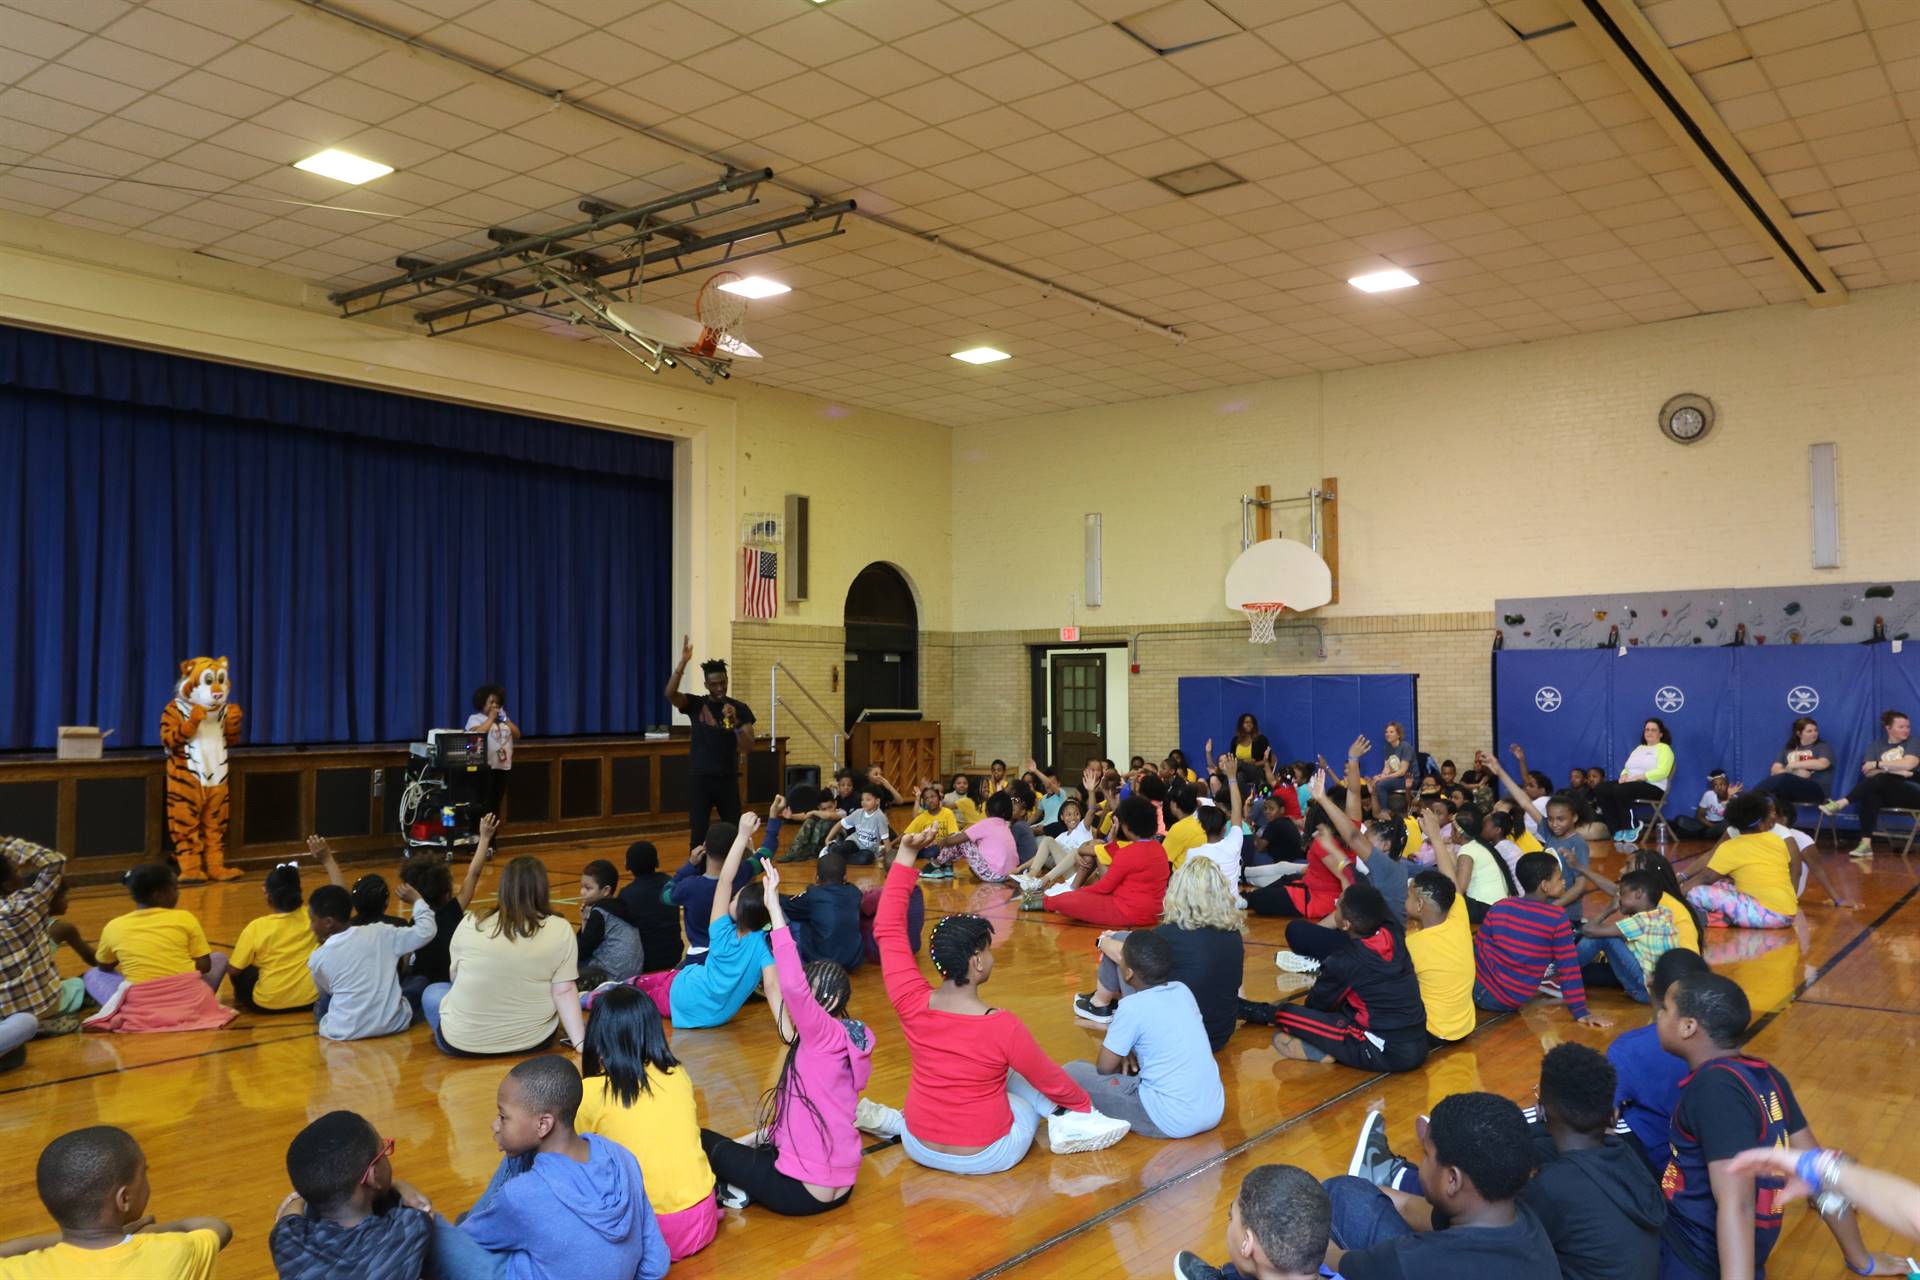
(1725, 1107)
(1282, 839)
(1210, 963)
(657, 920)
(1518, 1252)
(431, 961)
(715, 749)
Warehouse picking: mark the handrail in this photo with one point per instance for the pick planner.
(773, 697)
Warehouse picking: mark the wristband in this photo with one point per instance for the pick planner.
(1806, 1168)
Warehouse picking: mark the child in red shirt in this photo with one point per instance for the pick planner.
(1130, 894)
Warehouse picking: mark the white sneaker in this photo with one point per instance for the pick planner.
(1295, 963)
(1071, 1131)
(1055, 890)
(874, 1117)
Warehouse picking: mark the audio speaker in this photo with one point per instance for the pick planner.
(796, 566)
(1090, 594)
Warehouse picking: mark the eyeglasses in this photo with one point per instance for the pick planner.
(386, 1149)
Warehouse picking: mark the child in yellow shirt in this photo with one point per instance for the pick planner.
(94, 1185)
(933, 814)
(269, 963)
(154, 940)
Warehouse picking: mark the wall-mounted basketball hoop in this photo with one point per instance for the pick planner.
(1271, 577)
(1323, 522)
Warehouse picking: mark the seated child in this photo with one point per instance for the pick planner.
(697, 884)
(72, 991)
(608, 939)
(1278, 1225)
(1442, 952)
(988, 845)
(1709, 820)
(155, 970)
(825, 920)
(429, 877)
(640, 1096)
(1053, 850)
(269, 966)
(1751, 879)
(863, 834)
(648, 907)
(1599, 1203)
(1648, 1076)
(349, 1216)
(1130, 894)
(356, 967)
(805, 1157)
(1364, 1009)
(1475, 1160)
(916, 921)
(586, 1214)
(93, 1183)
(931, 813)
(1156, 1069)
(1521, 936)
(1623, 953)
(1731, 1101)
(370, 898)
(709, 993)
(30, 986)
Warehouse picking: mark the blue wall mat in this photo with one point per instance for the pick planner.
(1303, 716)
(1728, 708)
(1554, 704)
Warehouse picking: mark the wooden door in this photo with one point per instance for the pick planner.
(1079, 725)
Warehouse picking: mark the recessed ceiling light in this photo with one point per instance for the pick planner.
(981, 355)
(344, 166)
(756, 287)
(1382, 281)
(1200, 178)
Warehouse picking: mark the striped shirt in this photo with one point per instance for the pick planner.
(1517, 941)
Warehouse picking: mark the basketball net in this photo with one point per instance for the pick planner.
(1262, 616)
(718, 311)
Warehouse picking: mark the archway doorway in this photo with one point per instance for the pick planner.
(883, 642)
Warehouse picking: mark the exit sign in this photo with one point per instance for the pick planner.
(1068, 635)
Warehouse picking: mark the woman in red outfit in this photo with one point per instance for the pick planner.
(979, 1083)
(1130, 894)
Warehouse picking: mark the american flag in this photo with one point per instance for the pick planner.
(759, 580)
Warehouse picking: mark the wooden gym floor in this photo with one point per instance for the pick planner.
(1837, 999)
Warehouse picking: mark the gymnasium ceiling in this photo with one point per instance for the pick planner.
(1494, 148)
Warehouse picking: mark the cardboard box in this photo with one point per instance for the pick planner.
(80, 742)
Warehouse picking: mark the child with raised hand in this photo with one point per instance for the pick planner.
(738, 960)
(1130, 894)
(824, 920)
(608, 939)
(970, 1108)
(94, 1185)
(698, 885)
(1377, 844)
(933, 814)
(269, 965)
(1554, 822)
(356, 967)
(805, 1156)
(1156, 1070)
(584, 1213)
(155, 971)
(347, 1215)
(1480, 874)
(640, 1096)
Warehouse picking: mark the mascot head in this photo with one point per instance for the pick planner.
(204, 682)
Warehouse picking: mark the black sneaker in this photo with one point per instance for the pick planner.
(1256, 1012)
(1191, 1266)
(1372, 1158)
(1084, 1007)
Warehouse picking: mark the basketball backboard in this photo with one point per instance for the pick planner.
(1279, 571)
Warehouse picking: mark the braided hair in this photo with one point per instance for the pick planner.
(830, 988)
(955, 942)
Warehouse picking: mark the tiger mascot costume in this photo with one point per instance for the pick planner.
(196, 729)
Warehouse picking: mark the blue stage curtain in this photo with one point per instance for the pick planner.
(362, 579)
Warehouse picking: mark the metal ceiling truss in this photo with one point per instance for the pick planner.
(574, 273)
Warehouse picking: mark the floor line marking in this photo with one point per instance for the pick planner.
(161, 1062)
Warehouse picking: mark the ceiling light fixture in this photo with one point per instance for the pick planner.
(1199, 179)
(1382, 281)
(344, 166)
(981, 355)
(756, 287)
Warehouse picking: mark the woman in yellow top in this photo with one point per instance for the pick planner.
(269, 970)
(933, 814)
(638, 1094)
(1749, 881)
(1248, 742)
(1442, 953)
(155, 940)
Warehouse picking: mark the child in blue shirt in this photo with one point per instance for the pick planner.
(1174, 1089)
(695, 885)
(1647, 1077)
(562, 1206)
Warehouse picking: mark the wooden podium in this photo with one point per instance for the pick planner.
(905, 750)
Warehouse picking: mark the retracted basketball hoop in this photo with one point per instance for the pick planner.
(1272, 577)
(719, 312)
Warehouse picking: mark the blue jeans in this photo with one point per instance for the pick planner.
(455, 1255)
(1620, 959)
(1363, 1215)
(1027, 1103)
(430, 1003)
